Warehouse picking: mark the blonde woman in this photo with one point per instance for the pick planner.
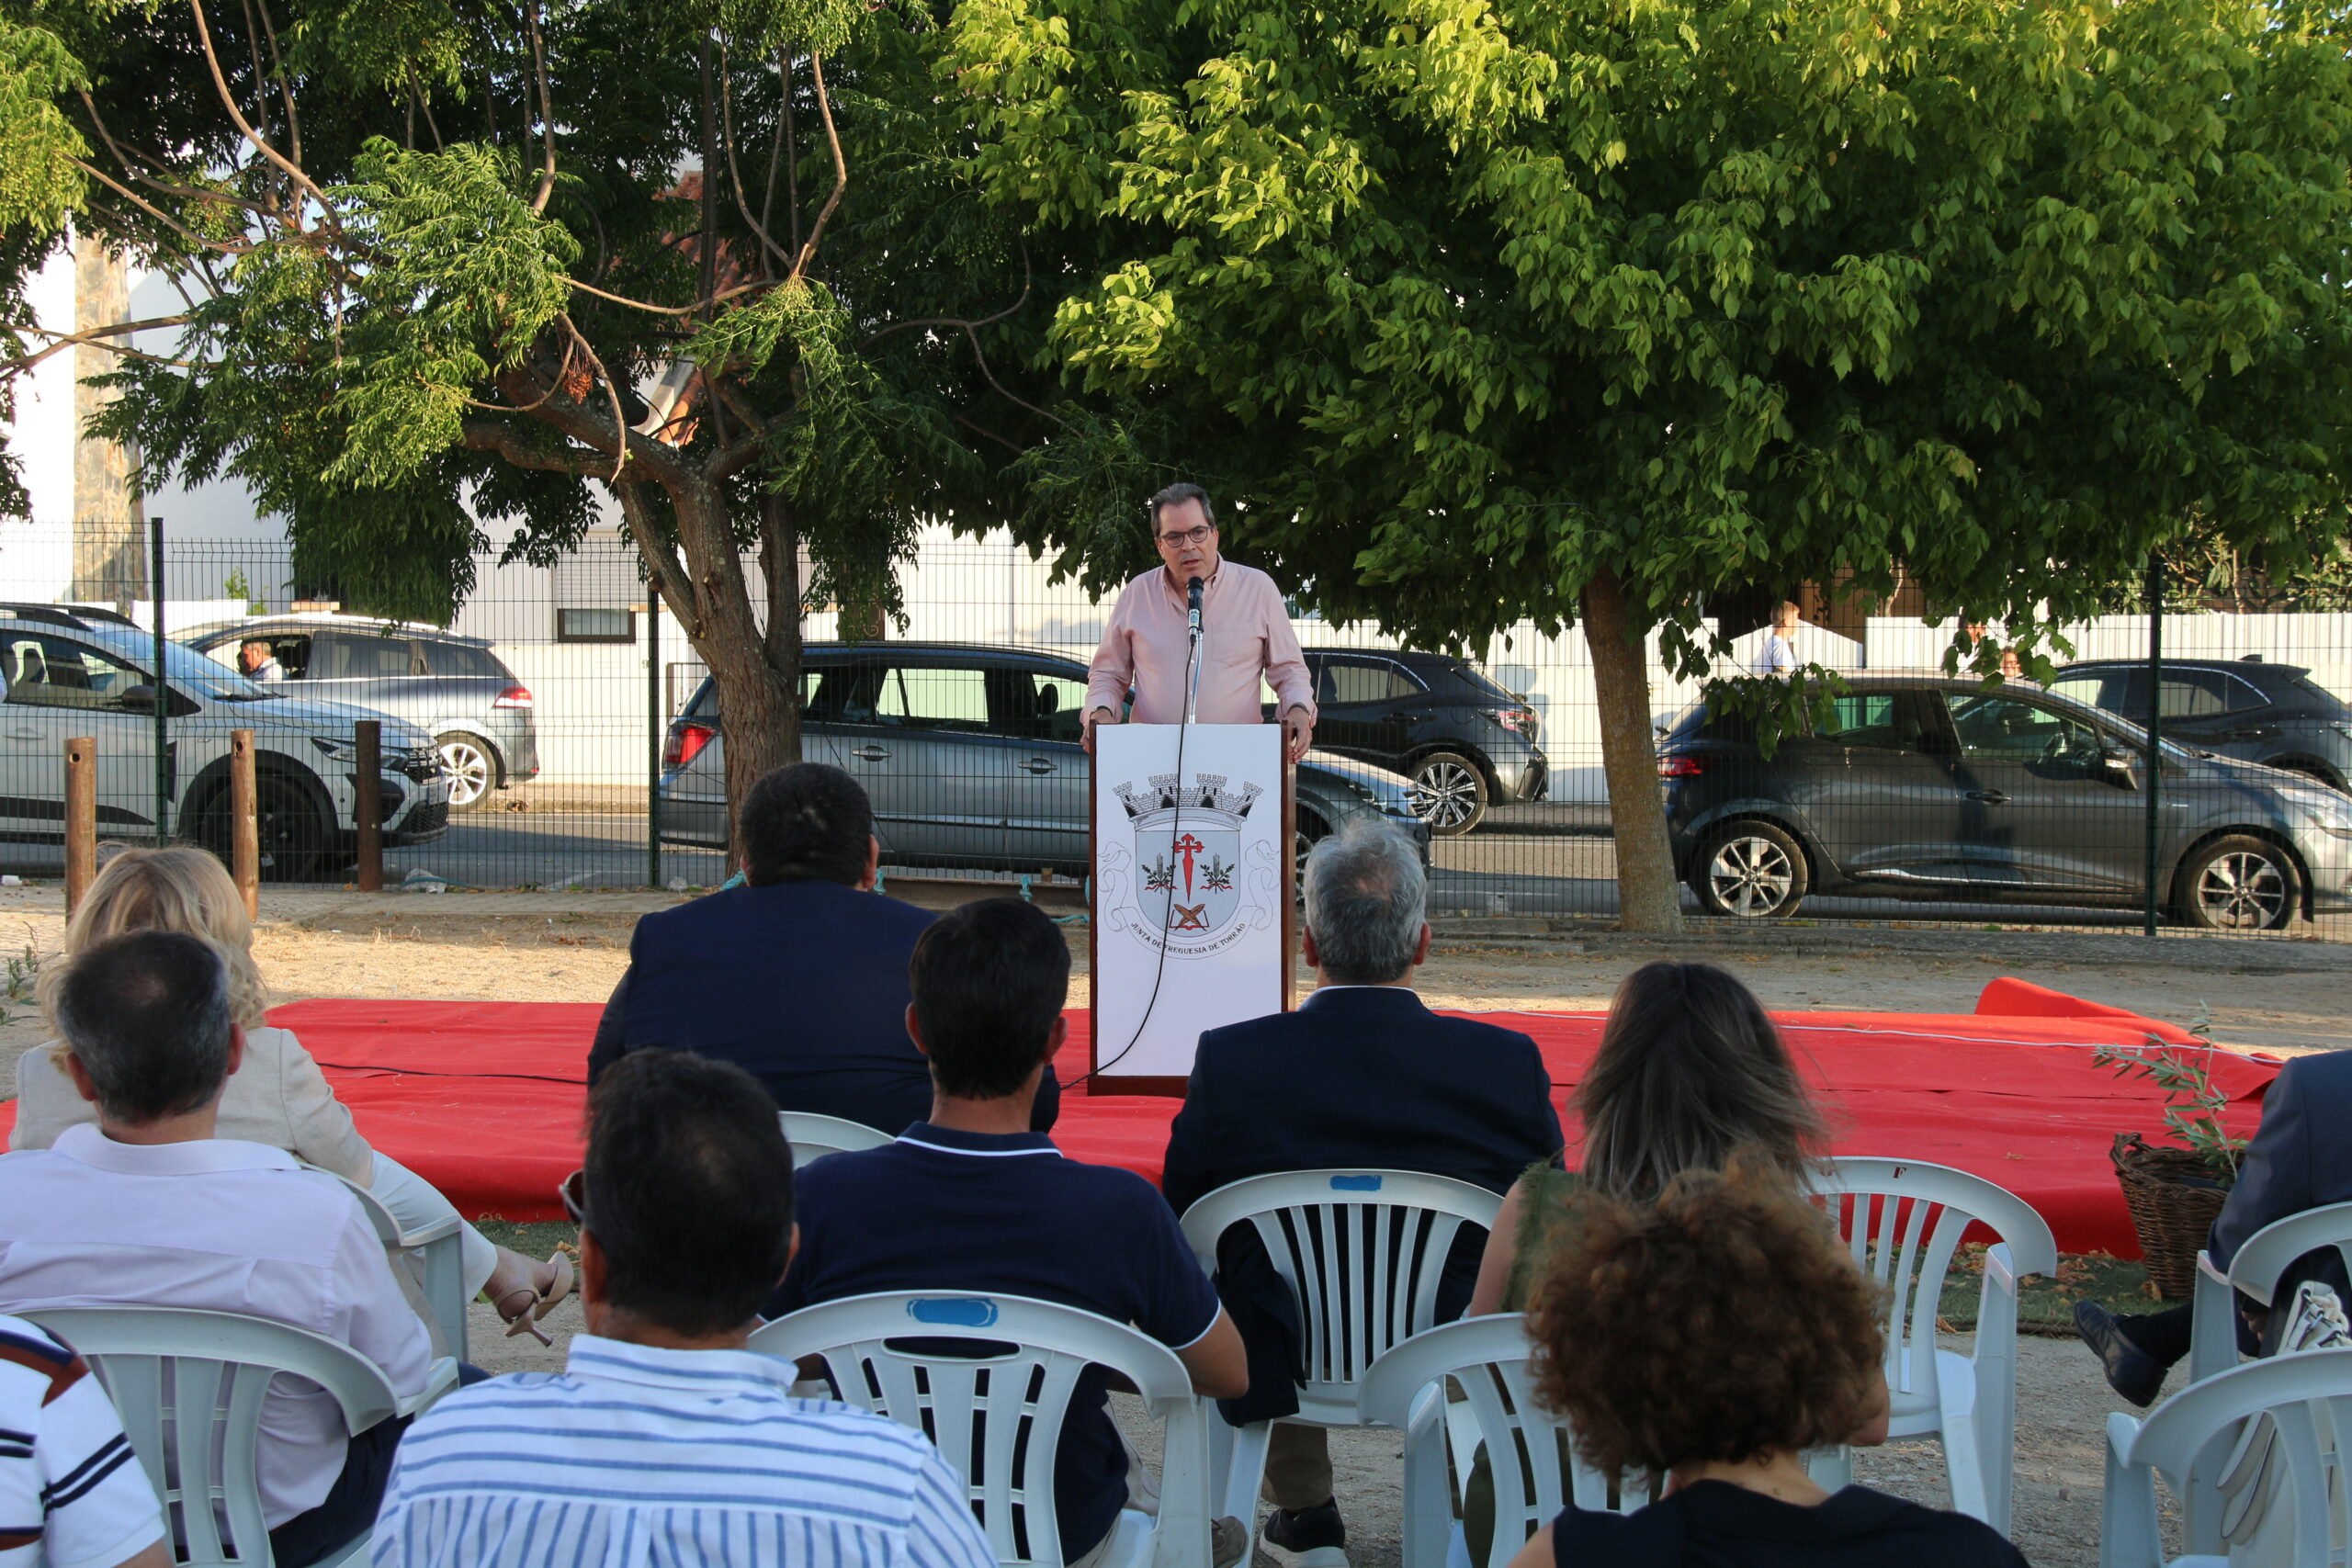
(278, 1096)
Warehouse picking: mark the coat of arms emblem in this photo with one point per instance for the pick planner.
(1191, 888)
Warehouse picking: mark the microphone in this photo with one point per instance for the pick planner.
(1192, 605)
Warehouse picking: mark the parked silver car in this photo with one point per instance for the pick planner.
(69, 676)
(972, 756)
(455, 687)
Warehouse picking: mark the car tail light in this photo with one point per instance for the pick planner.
(687, 741)
(513, 697)
(1680, 767)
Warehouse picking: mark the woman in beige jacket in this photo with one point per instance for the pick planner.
(277, 1096)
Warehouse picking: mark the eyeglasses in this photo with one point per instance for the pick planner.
(574, 1193)
(1188, 536)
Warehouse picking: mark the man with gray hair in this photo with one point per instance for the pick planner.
(148, 1208)
(1361, 1076)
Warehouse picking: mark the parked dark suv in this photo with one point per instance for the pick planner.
(2274, 714)
(1926, 787)
(1463, 741)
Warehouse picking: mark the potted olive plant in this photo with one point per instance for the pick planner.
(2175, 1192)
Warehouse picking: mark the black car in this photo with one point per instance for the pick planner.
(2257, 712)
(1463, 741)
(1926, 787)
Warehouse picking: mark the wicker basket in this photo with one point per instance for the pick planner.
(2174, 1201)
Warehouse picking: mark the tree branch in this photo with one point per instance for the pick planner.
(775, 142)
(261, 143)
(547, 110)
(284, 93)
(498, 436)
(722, 295)
(735, 175)
(226, 247)
(841, 170)
(96, 337)
(612, 391)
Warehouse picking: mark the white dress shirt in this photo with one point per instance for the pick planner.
(687, 1458)
(223, 1225)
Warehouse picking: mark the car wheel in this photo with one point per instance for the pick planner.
(473, 768)
(1307, 830)
(1751, 870)
(291, 827)
(1449, 793)
(2237, 884)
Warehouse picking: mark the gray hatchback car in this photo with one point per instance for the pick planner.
(454, 687)
(972, 756)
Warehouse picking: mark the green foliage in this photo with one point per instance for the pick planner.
(38, 186)
(2193, 1105)
(1467, 302)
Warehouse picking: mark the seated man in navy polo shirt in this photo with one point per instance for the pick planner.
(972, 1200)
(799, 977)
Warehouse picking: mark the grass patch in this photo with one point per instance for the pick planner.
(2046, 1302)
(535, 1238)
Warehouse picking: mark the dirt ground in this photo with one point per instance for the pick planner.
(2281, 997)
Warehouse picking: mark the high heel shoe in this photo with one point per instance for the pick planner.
(536, 1301)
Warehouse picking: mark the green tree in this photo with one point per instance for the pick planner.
(1579, 310)
(447, 265)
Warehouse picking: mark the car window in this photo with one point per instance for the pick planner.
(52, 672)
(459, 658)
(1886, 721)
(292, 653)
(928, 698)
(2092, 688)
(1036, 703)
(1362, 681)
(2243, 695)
(2194, 693)
(1995, 727)
(354, 656)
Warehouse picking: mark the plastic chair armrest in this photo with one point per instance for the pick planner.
(2129, 1535)
(2212, 1330)
(439, 1380)
(1993, 1415)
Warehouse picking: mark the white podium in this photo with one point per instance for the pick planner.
(1191, 924)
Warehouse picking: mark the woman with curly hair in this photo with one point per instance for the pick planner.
(1689, 1068)
(1710, 1336)
(277, 1096)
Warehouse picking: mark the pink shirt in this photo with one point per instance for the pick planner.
(1245, 632)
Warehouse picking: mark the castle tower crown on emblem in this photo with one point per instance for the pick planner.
(1204, 802)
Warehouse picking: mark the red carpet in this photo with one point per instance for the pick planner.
(483, 1099)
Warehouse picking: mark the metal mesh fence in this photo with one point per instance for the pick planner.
(572, 730)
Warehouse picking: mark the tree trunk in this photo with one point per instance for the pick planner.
(1648, 897)
(756, 706)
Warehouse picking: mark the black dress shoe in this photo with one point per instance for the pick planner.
(1314, 1537)
(2130, 1371)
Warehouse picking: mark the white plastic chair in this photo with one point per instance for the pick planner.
(2309, 1397)
(1903, 1220)
(996, 1416)
(813, 1137)
(188, 1386)
(442, 1265)
(1362, 1252)
(2214, 1343)
(1534, 1467)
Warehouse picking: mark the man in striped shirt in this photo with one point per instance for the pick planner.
(71, 1493)
(664, 1439)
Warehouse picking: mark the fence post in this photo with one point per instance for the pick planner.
(656, 714)
(2156, 731)
(81, 818)
(245, 831)
(163, 688)
(369, 735)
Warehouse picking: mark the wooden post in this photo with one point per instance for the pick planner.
(81, 819)
(245, 831)
(370, 784)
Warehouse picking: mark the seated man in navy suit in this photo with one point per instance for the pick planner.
(2300, 1158)
(800, 977)
(1361, 1076)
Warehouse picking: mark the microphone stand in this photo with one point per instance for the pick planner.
(1192, 659)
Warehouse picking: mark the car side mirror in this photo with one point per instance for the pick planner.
(136, 699)
(2121, 764)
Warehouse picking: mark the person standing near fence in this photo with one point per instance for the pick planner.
(1779, 654)
(1245, 635)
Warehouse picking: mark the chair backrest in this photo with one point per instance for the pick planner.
(1362, 1250)
(188, 1386)
(2309, 1399)
(989, 1380)
(813, 1137)
(1530, 1452)
(2256, 1266)
(1903, 1220)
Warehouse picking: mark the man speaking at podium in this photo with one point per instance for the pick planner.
(1245, 634)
